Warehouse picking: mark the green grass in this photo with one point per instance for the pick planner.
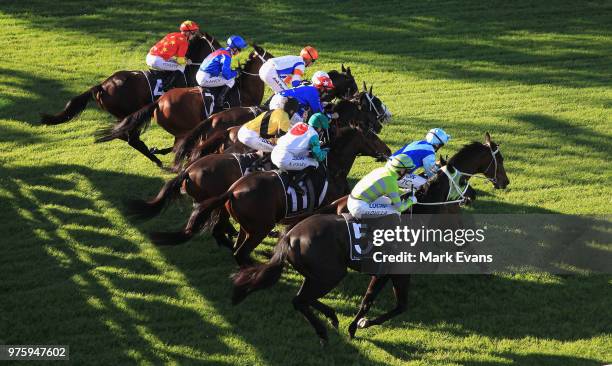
(74, 270)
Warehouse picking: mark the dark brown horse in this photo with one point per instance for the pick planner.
(318, 248)
(344, 83)
(350, 113)
(125, 92)
(181, 109)
(257, 201)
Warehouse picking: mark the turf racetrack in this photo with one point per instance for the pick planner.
(74, 270)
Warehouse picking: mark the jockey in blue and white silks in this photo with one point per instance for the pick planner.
(216, 70)
(423, 154)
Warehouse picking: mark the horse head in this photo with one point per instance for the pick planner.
(344, 83)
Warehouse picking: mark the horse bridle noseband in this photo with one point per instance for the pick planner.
(493, 161)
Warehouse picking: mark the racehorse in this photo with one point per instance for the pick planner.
(318, 248)
(181, 109)
(353, 112)
(344, 83)
(370, 114)
(125, 92)
(212, 175)
(257, 201)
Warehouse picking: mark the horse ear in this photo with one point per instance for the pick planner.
(487, 138)
(343, 69)
(348, 71)
(365, 88)
(371, 90)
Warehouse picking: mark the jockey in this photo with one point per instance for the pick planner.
(257, 133)
(169, 53)
(283, 73)
(377, 194)
(309, 96)
(423, 154)
(292, 151)
(216, 68)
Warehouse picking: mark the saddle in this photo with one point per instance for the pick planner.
(252, 162)
(162, 81)
(360, 234)
(314, 189)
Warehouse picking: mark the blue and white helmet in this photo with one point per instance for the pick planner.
(236, 42)
(437, 136)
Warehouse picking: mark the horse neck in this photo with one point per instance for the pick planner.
(341, 160)
(203, 48)
(472, 164)
(251, 86)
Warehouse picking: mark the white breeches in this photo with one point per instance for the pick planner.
(268, 75)
(205, 80)
(286, 160)
(361, 209)
(252, 139)
(158, 63)
(411, 181)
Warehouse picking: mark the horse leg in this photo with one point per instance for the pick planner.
(135, 142)
(242, 254)
(327, 311)
(219, 230)
(309, 293)
(401, 284)
(374, 288)
(157, 151)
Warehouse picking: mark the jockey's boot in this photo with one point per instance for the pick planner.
(221, 97)
(259, 164)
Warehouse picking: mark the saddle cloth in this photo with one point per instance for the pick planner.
(158, 81)
(314, 186)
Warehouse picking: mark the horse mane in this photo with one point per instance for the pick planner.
(467, 150)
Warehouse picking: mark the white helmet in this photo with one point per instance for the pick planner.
(437, 136)
(315, 77)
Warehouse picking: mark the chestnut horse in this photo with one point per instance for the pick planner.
(257, 201)
(125, 92)
(318, 248)
(180, 110)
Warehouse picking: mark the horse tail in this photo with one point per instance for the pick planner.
(136, 121)
(190, 141)
(260, 276)
(199, 217)
(148, 209)
(73, 108)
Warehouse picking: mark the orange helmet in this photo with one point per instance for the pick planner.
(309, 53)
(189, 26)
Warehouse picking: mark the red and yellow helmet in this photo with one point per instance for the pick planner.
(189, 26)
(309, 53)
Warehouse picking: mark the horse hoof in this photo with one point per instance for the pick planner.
(274, 234)
(352, 330)
(363, 323)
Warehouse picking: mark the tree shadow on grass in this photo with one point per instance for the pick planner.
(70, 277)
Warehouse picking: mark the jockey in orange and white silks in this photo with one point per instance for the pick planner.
(169, 53)
(423, 154)
(286, 72)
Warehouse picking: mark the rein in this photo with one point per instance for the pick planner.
(210, 44)
(263, 60)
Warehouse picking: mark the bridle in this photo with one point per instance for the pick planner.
(461, 191)
(261, 57)
(210, 44)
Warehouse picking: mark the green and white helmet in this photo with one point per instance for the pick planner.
(400, 161)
